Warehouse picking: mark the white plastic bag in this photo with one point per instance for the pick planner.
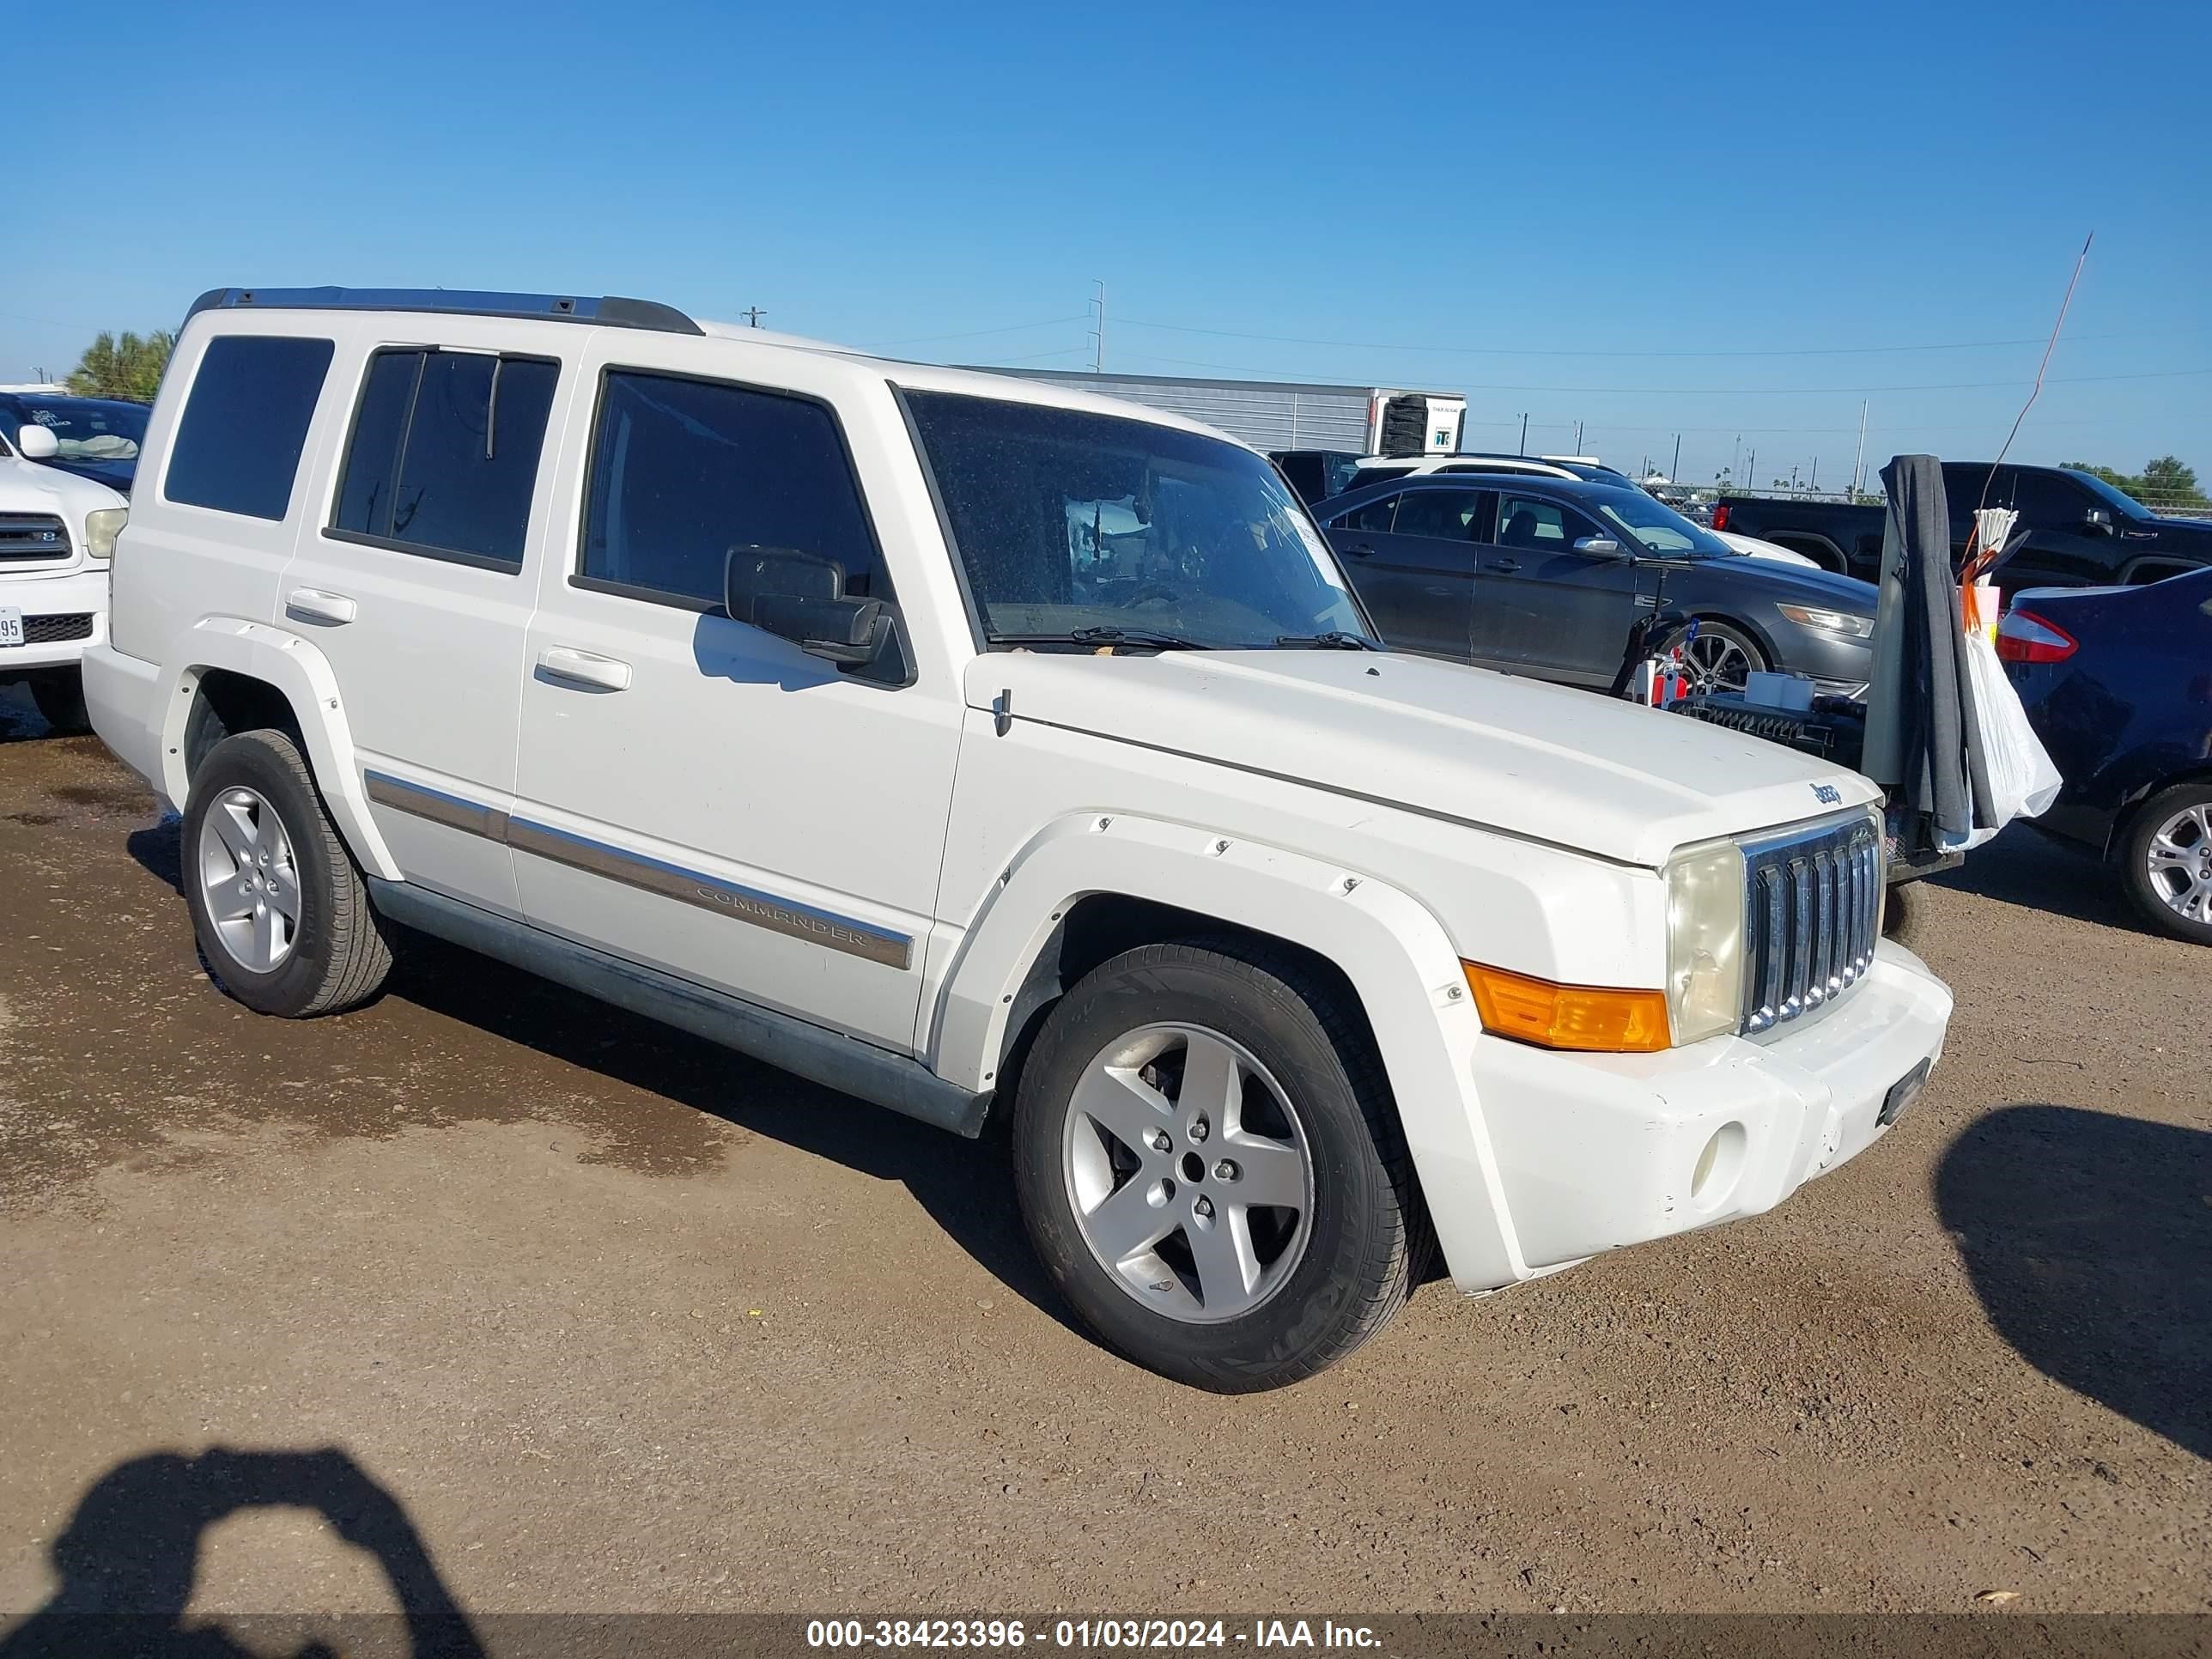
(2022, 780)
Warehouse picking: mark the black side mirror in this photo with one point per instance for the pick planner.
(800, 597)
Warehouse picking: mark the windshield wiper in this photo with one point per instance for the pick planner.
(1335, 639)
(1105, 634)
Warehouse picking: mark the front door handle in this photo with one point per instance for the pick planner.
(1505, 564)
(315, 604)
(564, 662)
(1360, 551)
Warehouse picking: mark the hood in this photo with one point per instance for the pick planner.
(30, 487)
(1547, 763)
(1800, 584)
(116, 474)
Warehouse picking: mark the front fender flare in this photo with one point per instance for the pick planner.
(1392, 948)
(303, 674)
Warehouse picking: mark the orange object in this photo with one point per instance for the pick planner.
(1591, 1019)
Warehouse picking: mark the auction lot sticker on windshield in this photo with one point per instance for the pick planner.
(11, 626)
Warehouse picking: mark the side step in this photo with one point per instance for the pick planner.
(798, 1046)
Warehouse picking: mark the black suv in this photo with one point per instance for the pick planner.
(1545, 577)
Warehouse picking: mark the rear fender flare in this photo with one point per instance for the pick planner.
(296, 669)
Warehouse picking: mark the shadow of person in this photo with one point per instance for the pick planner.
(2087, 1236)
(128, 1558)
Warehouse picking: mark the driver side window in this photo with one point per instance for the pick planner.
(1530, 521)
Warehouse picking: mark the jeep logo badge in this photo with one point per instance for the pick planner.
(1827, 794)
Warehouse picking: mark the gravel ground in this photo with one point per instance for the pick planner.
(621, 1321)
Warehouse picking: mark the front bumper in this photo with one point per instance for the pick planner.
(1593, 1152)
(72, 593)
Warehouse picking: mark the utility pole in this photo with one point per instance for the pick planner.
(1751, 469)
(1736, 454)
(1578, 437)
(1858, 466)
(1813, 482)
(1675, 470)
(1524, 432)
(1099, 353)
(752, 314)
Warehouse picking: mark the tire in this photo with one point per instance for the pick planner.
(256, 841)
(1724, 644)
(1285, 1290)
(60, 698)
(2174, 896)
(1904, 914)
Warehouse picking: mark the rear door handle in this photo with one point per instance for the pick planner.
(578, 667)
(1360, 551)
(314, 605)
(1505, 564)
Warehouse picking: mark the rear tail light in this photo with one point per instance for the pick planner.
(2023, 636)
(1721, 516)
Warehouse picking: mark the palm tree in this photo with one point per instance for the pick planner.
(123, 366)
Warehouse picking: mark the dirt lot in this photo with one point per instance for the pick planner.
(622, 1321)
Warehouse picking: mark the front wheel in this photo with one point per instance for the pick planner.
(1211, 1166)
(60, 698)
(1721, 657)
(2165, 862)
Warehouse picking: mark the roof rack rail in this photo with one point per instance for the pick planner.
(609, 312)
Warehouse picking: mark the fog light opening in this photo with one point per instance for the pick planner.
(1718, 1166)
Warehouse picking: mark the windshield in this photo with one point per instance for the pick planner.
(2116, 499)
(1655, 526)
(1065, 521)
(86, 429)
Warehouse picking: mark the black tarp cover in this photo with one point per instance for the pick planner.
(1923, 740)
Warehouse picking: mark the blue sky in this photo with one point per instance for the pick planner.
(1534, 204)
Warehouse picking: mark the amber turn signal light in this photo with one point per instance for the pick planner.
(1588, 1018)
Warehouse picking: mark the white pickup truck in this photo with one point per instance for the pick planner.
(56, 530)
(969, 743)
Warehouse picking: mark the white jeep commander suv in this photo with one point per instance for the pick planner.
(960, 741)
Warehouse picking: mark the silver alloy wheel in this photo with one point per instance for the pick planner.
(1717, 663)
(1189, 1172)
(249, 880)
(2179, 863)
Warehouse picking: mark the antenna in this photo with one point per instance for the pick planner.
(752, 314)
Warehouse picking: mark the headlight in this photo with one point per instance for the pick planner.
(101, 530)
(1704, 940)
(1829, 622)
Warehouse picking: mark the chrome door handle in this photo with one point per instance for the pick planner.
(1505, 564)
(1361, 551)
(578, 667)
(314, 605)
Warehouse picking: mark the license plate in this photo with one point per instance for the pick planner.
(1903, 1092)
(11, 627)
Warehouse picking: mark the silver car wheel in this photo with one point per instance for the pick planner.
(249, 880)
(2179, 863)
(1717, 663)
(1189, 1172)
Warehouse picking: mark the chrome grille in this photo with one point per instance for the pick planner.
(1812, 916)
(27, 536)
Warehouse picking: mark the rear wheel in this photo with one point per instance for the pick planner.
(1723, 658)
(282, 916)
(1211, 1168)
(60, 698)
(2165, 862)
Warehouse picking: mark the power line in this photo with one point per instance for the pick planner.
(1543, 351)
(975, 333)
(1735, 390)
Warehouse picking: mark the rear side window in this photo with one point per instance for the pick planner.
(684, 470)
(443, 458)
(1452, 514)
(1373, 519)
(238, 445)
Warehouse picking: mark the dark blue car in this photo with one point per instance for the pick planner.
(99, 437)
(2117, 683)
